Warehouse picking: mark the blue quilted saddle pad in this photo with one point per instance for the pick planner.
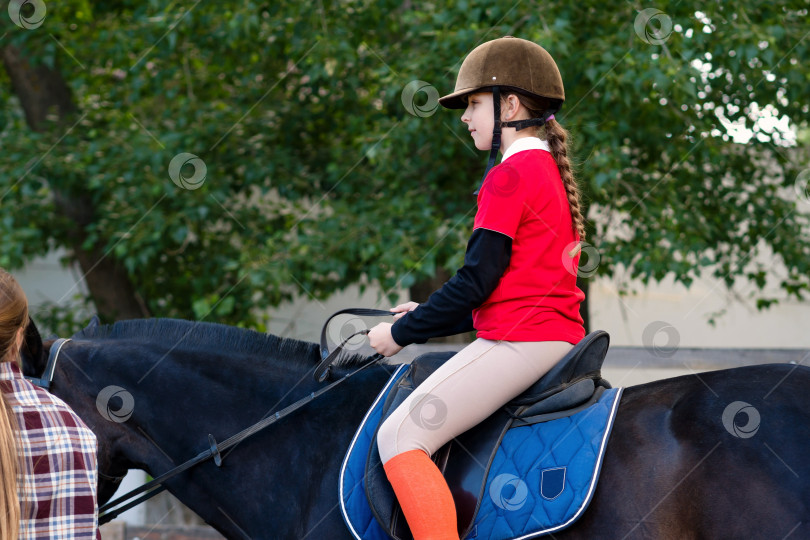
(539, 481)
(543, 476)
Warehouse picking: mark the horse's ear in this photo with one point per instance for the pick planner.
(32, 351)
(95, 321)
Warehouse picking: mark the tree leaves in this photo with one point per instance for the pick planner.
(318, 177)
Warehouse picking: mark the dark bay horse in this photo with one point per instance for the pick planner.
(721, 454)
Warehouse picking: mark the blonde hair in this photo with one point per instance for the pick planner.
(13, 317)
(557, 138)
(9, 502)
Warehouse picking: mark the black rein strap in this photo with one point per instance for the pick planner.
(323, 371)
(113, 509)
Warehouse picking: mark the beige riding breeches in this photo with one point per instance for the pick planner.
(468, 388)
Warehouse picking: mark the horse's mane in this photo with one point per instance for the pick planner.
(215, 336)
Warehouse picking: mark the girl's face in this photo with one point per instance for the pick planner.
(479, 119)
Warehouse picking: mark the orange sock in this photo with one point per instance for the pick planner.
(423, 495)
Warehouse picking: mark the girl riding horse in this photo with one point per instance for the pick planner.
(515, 287)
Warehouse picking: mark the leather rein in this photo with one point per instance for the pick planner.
(322, 373)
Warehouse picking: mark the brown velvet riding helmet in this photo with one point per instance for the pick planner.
(513, 65)
(510, 63)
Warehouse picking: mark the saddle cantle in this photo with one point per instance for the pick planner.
(572, 386)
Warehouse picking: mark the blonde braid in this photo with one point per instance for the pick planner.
(556, 136)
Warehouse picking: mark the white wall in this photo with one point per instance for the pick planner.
(46, 280)
(687, 312)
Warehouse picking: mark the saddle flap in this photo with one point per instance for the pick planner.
(568, 398)
(424, 365)
(584, 360)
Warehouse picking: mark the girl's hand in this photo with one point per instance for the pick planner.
(402, 309)
(382, 341)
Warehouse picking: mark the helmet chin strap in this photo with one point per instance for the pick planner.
(496, 131)
(496, 135)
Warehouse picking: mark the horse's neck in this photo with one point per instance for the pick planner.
(319, 432)
(188, 398)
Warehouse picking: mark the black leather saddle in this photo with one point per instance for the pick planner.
(573, 384)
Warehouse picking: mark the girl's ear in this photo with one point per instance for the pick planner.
(513, 106)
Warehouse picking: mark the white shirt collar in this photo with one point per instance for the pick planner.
(525, 143)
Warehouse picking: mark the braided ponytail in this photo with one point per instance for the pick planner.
(556, 136)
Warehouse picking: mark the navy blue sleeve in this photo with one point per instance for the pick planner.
(448, 311)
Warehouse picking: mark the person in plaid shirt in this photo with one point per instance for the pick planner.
(56, 479)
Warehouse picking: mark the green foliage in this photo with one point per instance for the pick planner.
(318, 177)
(63, 319)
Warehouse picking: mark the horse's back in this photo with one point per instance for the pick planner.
(711, 455)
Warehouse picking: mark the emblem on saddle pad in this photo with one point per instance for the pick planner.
(552, 482)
